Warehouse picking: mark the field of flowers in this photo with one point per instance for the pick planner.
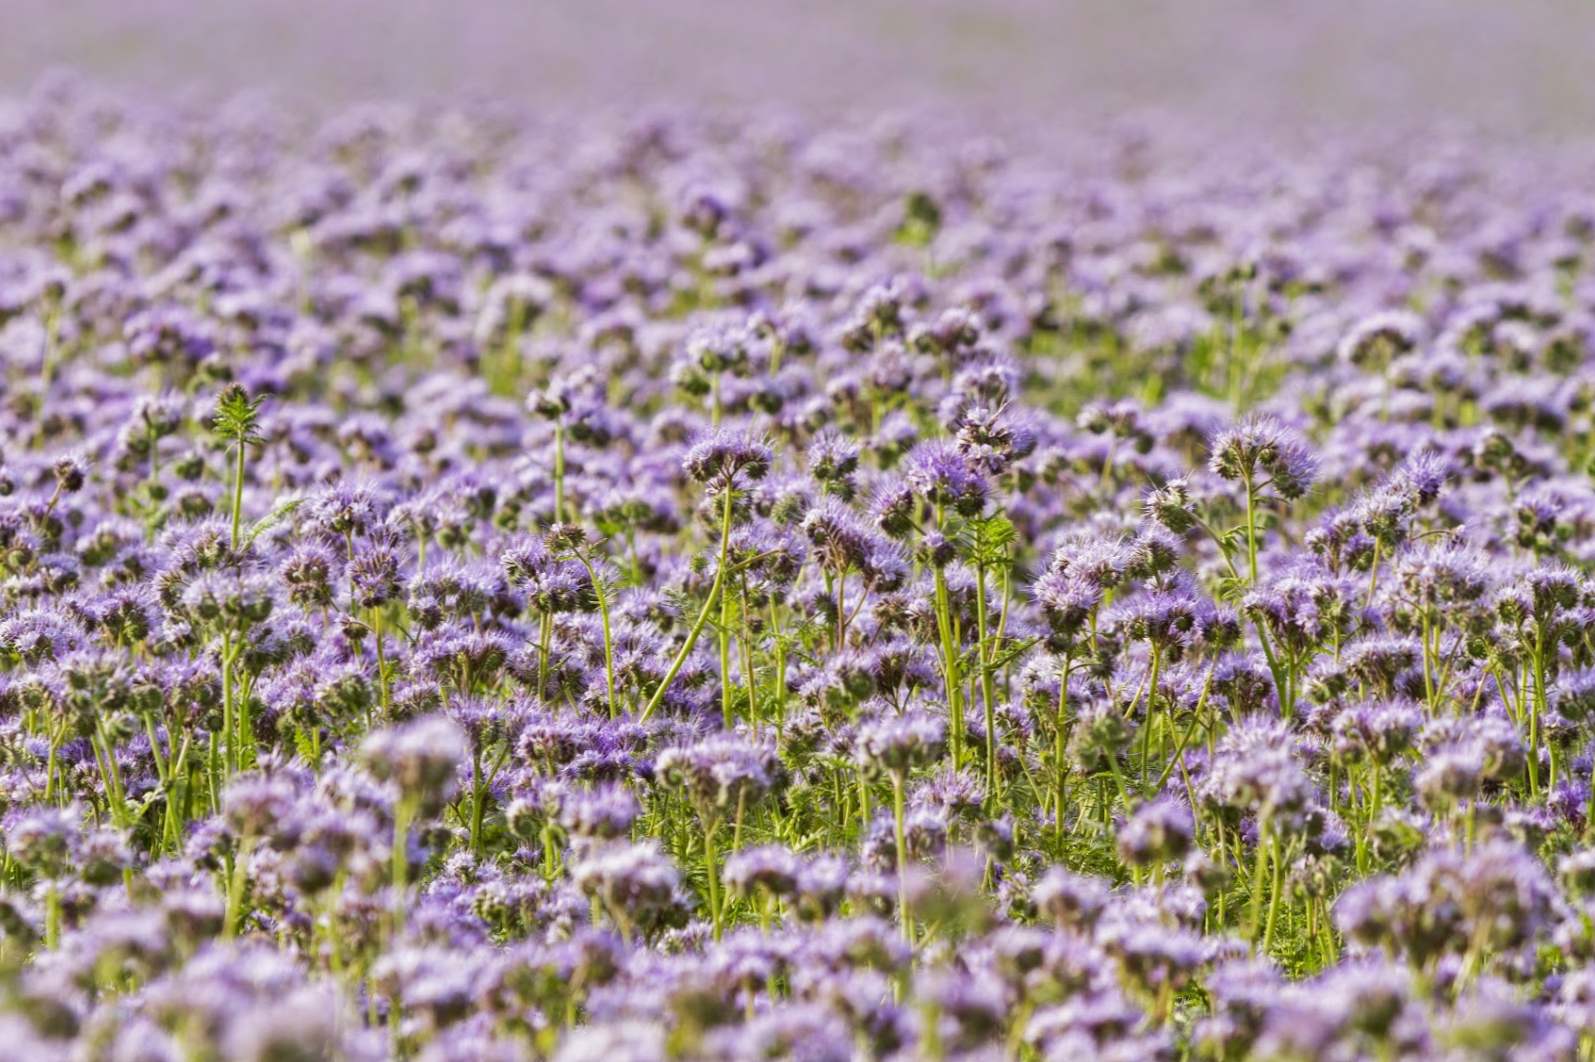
(694, 586)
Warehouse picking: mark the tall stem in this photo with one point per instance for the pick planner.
(993, 778)
(609, 640)
(1255, 916)
(780, 667)
(238, 493)
(703, 615)
(1251, 532)
(559, 471)
(841, 608)
(746, 642)
(403, 813)
(1275, 889)
(52, 917)
(724, 639)
(1151, 709)
(1060, 735)
(154, 476)
(711, 860)
(904, 913)
(229, 720)
(1428, 661)
(382, 663)
(478, 802)
(950, 667)
(1538, 706)
(236, 880)
(544, 634)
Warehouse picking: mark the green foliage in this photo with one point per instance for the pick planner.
(990, 539)
(280, 512)
(921, 219)
(237, 416)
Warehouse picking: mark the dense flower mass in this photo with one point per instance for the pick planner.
(692, 587)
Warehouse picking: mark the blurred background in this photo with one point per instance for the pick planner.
(1514, 66)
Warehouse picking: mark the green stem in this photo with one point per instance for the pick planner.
(904, 912)
(52, 917)
(545, 632)
(780, 668)
(50, 766)
(478, 802)
(403, 814)
(155, 460)
(711, 861)
(1251, 532)
(1151, 711)
(1538, 706)
(177, 795)
(723, 638)
(1428, 662)
(841, 608)
(155, 750)
(111, 771)
(1276, 887)
(993, 778)
(382, 663)
(703, 615)
(235, 888)
(229, 711)
(955, 704)
(213, 771)
(1060, 735)
(1254, 918)
(238, 493)
(609, 641)
(746, 643)
(559, 470)
(1185, 738)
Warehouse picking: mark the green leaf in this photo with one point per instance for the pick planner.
(922, 218)
(278, 513)
(990, 538)
(1229, 588)
(237, 415)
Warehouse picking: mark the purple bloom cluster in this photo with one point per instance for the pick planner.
(680, 586)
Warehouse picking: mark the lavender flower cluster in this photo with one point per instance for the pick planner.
(676, 586)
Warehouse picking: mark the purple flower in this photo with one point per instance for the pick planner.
(721, 457)
(1264, 454)
(421, 758)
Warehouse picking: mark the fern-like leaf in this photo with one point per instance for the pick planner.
(237, 416)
